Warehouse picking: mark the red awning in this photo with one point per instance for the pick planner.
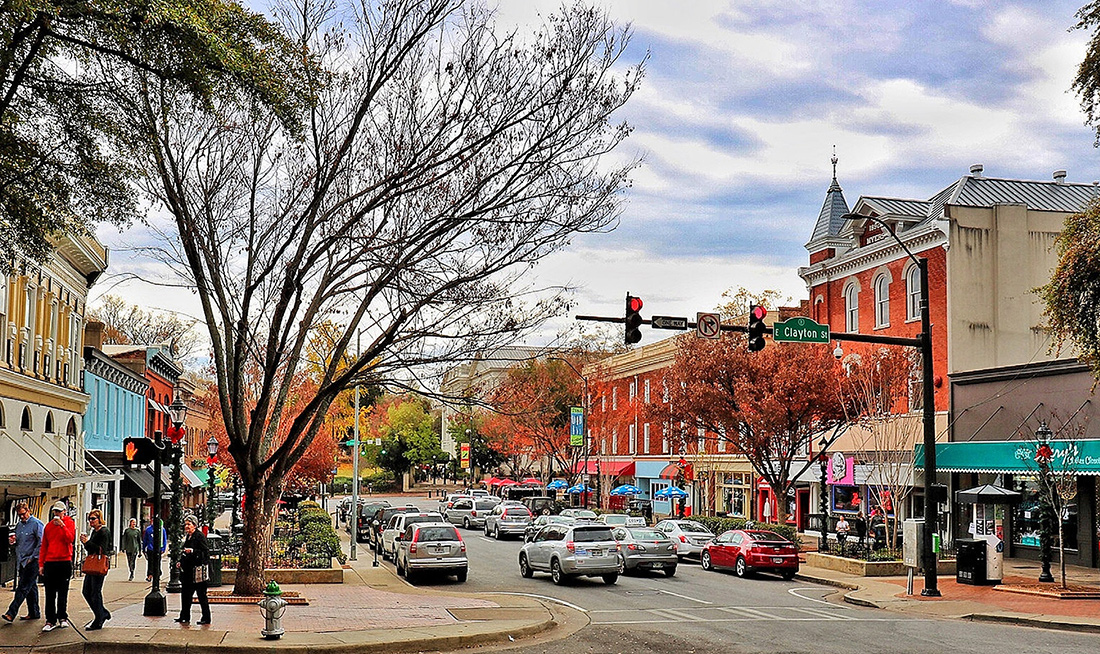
(531, 481)
(490, 481)
(507, 482)
(606, 468)
(671, 471)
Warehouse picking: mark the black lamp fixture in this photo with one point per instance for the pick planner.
(177, 414)
(823, 462)
(211, 501)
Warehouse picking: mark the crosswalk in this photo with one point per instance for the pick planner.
(732, 614)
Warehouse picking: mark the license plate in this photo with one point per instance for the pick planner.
(597, 552)
(581, 552)
(777, 559)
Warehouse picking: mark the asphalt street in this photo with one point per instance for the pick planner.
(698, 611)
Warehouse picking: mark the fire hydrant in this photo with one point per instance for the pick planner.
(272, 607)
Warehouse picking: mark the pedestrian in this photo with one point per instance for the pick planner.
(842, 531)
(55, 561)
(131, 544)
(27, 539)
(150, 553)
(98, 543)
(194, 571)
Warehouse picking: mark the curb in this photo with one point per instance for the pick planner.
(1025, 621)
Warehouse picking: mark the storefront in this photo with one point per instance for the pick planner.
(1012, 464)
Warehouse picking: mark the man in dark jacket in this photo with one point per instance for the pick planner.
(150, 553)
(27, 539)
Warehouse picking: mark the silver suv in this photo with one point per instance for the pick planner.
(572, 551)
(398, 524)
(430, 547)
(507, 520)
(469, 512)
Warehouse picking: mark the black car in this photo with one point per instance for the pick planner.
(366, 511)
(381, 518)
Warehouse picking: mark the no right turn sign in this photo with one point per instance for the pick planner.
(708, 325)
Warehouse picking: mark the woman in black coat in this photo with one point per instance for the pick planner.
(195, 558)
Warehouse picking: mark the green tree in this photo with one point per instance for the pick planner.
(1072, 296)
(1087, 81)
(64, 155)
(483, 455)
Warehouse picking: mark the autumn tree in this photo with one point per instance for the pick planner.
(1072, 297)
(770, 405)
(485, 455)
(442, 159)
(126, 324)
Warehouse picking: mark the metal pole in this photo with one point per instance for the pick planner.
(156, 604)
(931, 586)
(355, 477)
(175, 520)
(587, 441)
(824, 545)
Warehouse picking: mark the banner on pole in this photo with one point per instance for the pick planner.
(464, 459)
(576, 426)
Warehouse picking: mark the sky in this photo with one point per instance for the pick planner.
(737, 118)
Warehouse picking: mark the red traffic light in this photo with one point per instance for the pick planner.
(635, 303)
(759, 312)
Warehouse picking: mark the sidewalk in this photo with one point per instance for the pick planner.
(372, 611)
(980, 603)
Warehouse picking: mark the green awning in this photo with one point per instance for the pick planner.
(1012, 457)
(203, 475)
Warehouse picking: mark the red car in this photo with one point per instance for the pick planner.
(751, 550)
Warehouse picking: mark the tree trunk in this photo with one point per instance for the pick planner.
(1061, 549)
(257, 518)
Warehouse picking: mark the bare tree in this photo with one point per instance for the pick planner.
(126, 323)
(440, 161)
(1056, 467)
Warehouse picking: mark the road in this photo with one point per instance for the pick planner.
(703, 612)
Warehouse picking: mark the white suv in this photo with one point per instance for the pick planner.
(399, 523)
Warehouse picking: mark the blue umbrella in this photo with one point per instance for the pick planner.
(626, 489)
(671, 493)
(577, 489)
(557, 484)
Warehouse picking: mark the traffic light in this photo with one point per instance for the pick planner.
(756, 327)
(633, 319)
(139, 451)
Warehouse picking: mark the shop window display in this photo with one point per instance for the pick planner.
(848, 499)
(1027, 516)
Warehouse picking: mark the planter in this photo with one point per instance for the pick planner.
(293, 576)
(859, 568)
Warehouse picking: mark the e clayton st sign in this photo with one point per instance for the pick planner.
(800, 330)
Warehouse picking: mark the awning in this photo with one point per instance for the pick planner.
(136, 482)
(59, 479)
(203, 475)
(1012, 457)
(671, 471)
(157, 406)
(190, 477)
(606, 468)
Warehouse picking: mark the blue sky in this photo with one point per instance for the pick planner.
(743, 103)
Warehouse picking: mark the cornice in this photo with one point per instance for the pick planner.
(872, 255)
(43, 388)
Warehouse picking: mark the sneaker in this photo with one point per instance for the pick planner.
(49, 626)
(63, 622)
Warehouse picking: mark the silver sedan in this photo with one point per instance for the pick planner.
(645, 548)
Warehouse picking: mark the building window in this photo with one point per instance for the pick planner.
(1026, 515)
(25, 422)
(632, 392)
(614, 398)
(735, 491)
(645, 437)
(646, 391)
(603, 404)
(49, 422)
(882, 301)
(632, 443)
(664, 440)
(702, 434)
(2, 425)
(912, 293)
(851, 308)
(614, 441)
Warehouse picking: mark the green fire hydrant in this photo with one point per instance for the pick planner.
(272, 607)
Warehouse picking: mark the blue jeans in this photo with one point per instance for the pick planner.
(27, 589)
(93, 594)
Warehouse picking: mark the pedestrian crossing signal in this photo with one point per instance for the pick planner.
(139, 451)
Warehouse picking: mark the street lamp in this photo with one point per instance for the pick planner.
(931, 586)
(823, 461)
(211, 451)
(155, 602)
(1043, 454)
(177, 413)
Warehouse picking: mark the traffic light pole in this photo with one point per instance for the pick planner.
(155, 602)
(355, 481)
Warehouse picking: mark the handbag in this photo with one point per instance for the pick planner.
(96, 564)
(202, 574)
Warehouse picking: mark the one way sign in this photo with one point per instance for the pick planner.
(668, 322)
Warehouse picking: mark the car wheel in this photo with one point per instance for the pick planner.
(556, 574)
(487, 532)
(411, 576)
(465, 523)
(496, 532)
(461, 575)
(705, 561)
(397, 565)
(789, 574)
(740, 568)
(525, 570)
(610, 579)
(670, 571)
(622, 565)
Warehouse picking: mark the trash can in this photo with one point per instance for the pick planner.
(214, 543)
(970, 561)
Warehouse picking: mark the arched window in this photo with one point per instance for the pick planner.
(882, 301)
(851, 308)
(49, 422)
(2, 425)
(70, 430)
(25, 422)
(912, 293)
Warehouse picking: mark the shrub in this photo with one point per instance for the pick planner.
(719, 525)
(310, 516)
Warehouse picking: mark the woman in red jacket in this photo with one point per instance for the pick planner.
(56, 561)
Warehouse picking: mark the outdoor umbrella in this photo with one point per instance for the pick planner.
(490, 481)
(577, 489)
(671, 493)
(626, 489)
(531, 481)
(988, 494)
(507, 482)
(557, 484)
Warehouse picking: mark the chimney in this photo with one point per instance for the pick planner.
(976, 170)
(1060, 176)
(93, 334)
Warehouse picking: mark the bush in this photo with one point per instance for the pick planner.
(311, 516)
(719, 525)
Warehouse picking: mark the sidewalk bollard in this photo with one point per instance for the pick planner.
(272, 607)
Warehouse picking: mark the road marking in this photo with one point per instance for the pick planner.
(829, 615)
(692, 599)
(486, 539)
(793, 591)
(542, 597)
(678, 614)
(744, 610)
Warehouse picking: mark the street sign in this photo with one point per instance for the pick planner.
(576, 426)
(464, 456)
(708, 325)
(668, 322)
(800, 330)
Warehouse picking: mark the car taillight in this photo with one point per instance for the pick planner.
(631, 546)
(682, 539)
(462, 544)
(473, 514)
(412, 547)
(569, 546)
(450, 504)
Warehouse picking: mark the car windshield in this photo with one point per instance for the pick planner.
(414, 519)
(591, 535)
(436, 533)
(484, 505)
(647, 534)
(766, 536)
(615, 519)
(690, 526)
(581, 513)
(518, 512)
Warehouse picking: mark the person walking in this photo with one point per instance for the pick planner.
(150, 554)
(55, 561)
(193, 571)
(98, 543)
(131, 544)
(27, 539)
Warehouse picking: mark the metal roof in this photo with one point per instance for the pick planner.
(897, 206)
(1039, 196)
(831, 217)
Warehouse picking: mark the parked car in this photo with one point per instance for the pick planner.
(382, 518)
(448, 501)
(691, 535)
(431, 547)
(645, 548)
(622, 520)
(541, 521)
(479, 492)
(542, 505)
(365, 515)
(567, 551)
(470, 513)
(748, 550)
(507, 520)
(399, 523)
(580, 514)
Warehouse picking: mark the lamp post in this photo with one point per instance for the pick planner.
(211, 511)
(155, 602)
(931, 585)
(824, 462)
(1043, 454)
(177, 412)
(355, 475)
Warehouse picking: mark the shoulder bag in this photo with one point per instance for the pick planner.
(96, 564)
